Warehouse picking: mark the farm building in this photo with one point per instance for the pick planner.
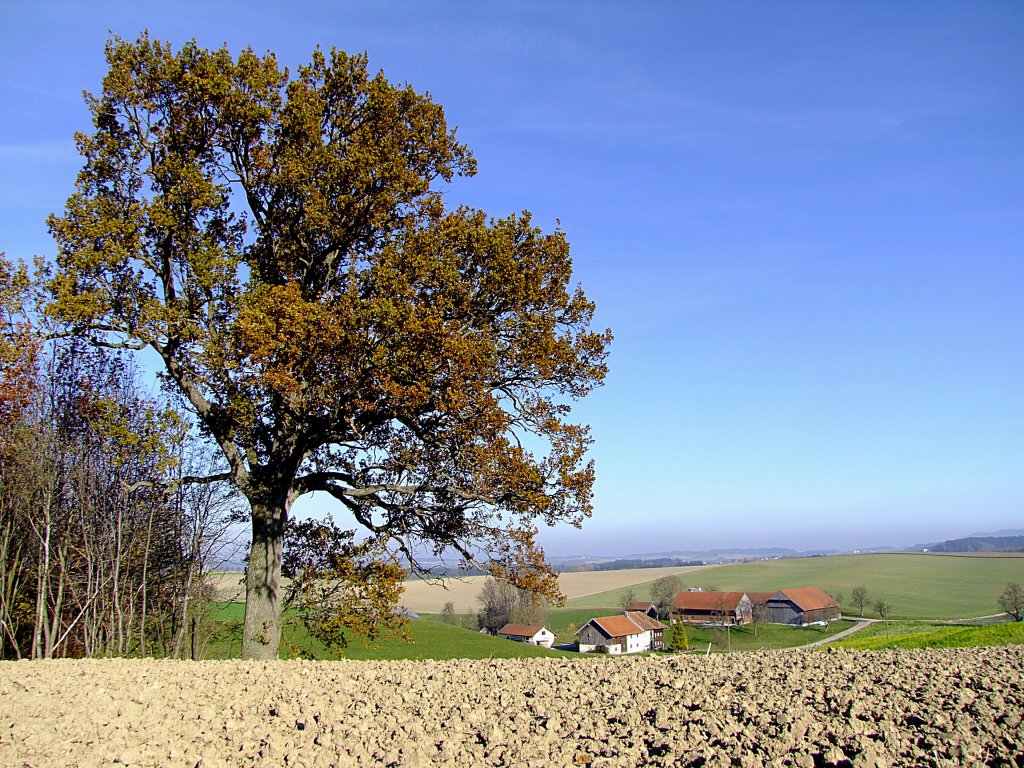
(802, 605)
(712, 608)
(759, 605)
(528, 633)
(655, 627)
(617, 634)
(641, 607)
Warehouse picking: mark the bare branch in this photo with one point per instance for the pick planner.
(174, 485)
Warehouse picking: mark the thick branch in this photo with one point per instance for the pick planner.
(173, 485)
(324, 481)
(206, 412)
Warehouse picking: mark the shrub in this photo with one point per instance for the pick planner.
(678, 640)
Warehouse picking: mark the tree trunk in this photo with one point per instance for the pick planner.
(145, 574)
(195, 638)
(261, 634)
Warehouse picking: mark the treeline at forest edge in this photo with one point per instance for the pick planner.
(102, 550)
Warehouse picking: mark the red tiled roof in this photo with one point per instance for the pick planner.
(810, 598)
(645, 621)
(760, 598)
(615, 626)
(520, 630)
(707, 601)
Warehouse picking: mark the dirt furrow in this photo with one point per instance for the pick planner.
(824, 708)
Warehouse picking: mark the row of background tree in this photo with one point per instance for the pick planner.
(112, 519)
(101, 552)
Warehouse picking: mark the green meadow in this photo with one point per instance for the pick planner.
(916, 586)
(761, 637)
(898, 635)
(431, 638)
(919, 589)
(428, 639)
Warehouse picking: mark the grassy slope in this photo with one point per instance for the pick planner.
(769, 636)
(562, 621)
(934, 636)
(916, 586)
(430, 640)
(433, 639)
(436, 640)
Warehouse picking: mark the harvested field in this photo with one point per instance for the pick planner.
(430, 597)
(833, 708)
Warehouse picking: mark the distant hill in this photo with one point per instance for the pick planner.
(981, 544)
(625, 564)
(1004, 532)
(676, 558)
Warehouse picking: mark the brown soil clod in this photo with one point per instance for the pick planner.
(873, 709)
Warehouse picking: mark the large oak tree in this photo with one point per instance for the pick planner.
(281, 244)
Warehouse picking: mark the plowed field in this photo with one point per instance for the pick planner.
(828, 708)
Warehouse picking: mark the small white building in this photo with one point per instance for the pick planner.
(528, 633)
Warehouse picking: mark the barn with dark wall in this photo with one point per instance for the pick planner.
(799, 606)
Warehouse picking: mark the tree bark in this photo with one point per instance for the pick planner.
(261, 634)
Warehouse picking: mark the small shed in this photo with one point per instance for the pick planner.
(712, 608)
(528, 633)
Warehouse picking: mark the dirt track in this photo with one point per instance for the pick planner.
(831, 707)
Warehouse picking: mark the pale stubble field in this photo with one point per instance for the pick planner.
(431, 596)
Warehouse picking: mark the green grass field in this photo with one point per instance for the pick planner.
(879, 636)
(765, 637)
(434, 639)
(916, 586)
(431, 639)
(565, 621)
(562, 621)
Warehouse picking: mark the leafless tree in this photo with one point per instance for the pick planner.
(448, 613)
(503, 603)
(1012, 601)
(497, 599)
(859, 597)
(663, 592)
(882, 609)
(758, 613)
(91, 545)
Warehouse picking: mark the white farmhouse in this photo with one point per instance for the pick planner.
(528, 633)
(617, 634)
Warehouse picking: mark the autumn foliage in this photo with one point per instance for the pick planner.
(280, 243)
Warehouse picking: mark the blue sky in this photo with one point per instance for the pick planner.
(804, 223)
